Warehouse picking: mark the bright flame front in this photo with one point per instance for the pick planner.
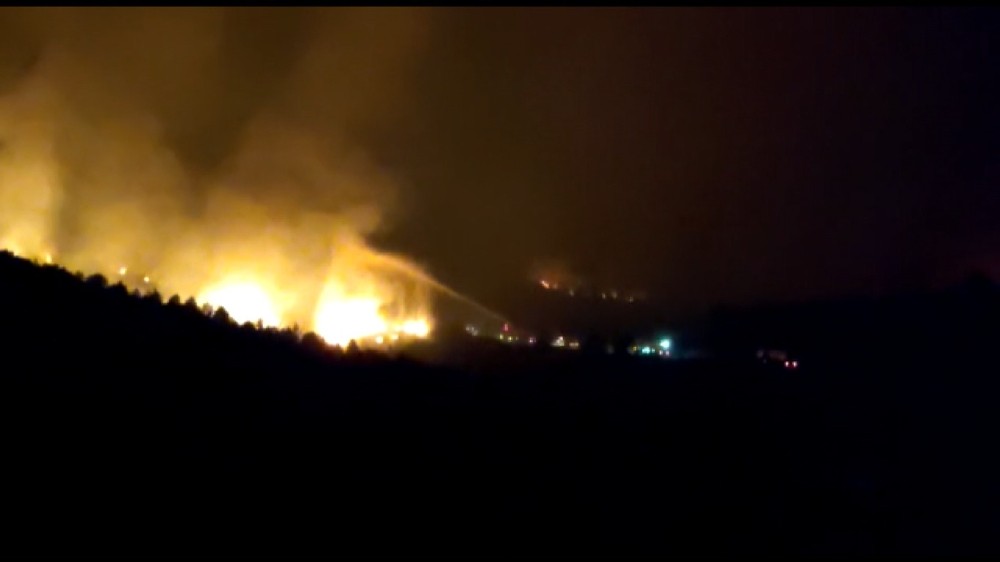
(338, 321)
(419, 328)
(342, 317)
(245, 301)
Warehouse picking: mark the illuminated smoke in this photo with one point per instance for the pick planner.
(30, 190)
(172, 149)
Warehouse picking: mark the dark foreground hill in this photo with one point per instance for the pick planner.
(136, 427)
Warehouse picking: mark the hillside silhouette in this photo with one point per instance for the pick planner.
(137, 424)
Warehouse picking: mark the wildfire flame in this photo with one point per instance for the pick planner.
(274, 230)
(355, 304)
(420, 328)
(367, 311)
(367, 297)
(338, 321)
(370, 315)
(244, 301)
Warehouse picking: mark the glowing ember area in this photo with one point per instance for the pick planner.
(244, 301)
(341, 318)
(340, 321)
(416, 328)
(17, 250)
(368, 298)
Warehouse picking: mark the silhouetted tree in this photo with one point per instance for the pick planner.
(98, 280)
(679, 445)
(119, 289)
(175, 300)
(286, 335)
(311, 341)
(221, 315)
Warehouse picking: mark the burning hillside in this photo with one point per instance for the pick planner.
(108, 171)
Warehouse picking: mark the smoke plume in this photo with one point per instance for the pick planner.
(206, 149)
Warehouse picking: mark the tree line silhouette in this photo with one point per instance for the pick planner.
(133, 425)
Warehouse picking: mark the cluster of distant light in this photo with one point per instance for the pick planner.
(512, 336)
(577, 290)
(561, 341)
(778, 357)
(660, 348)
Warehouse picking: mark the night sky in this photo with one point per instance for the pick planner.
(708, 155)
(704, 155)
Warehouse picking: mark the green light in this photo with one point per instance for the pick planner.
(665, 343)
